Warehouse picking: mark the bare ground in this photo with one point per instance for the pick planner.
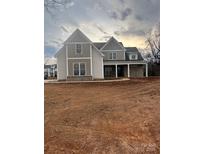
(120, 117)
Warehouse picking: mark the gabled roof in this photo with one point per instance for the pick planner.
(59, 51)
(98, 50)
(110, 41)
(99, 45)
(133, 50)
(77, 36)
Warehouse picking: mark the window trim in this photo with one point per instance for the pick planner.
(112, 53)
(74, 69)
(130, 56)
(79, 69)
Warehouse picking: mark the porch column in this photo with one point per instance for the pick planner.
(53, 71)
(128, 70)
(146, 69)
(48, 72)
(116, 70)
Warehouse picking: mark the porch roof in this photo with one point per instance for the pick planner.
(123, 62)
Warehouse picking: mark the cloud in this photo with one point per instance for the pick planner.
(138, 17)
(125, 13)
(101, 29)
(120, 14)
(131, 31)
(56, 42)
(122, 1)
(64, 28)
(69, 4)
(105, 38)
(113, 15)
(125, 19)
(117, 33)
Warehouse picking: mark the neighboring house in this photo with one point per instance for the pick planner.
(82, 59)
(50, 68)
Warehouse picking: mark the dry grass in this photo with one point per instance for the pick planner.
(120, 117)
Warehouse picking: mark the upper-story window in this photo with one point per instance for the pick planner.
(78, 48)
(133, 57)
(113, 55)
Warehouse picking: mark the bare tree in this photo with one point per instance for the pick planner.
(153, 42)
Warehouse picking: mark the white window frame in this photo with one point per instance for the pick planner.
(112, 53)
(136, 56)
(79, 69)
(81, 49)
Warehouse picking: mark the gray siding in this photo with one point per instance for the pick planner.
(120, 55)
(61, 65)
(71, 63)
(72, 51)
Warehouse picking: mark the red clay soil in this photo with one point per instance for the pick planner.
(119, 117)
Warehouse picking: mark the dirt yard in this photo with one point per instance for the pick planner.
(108, 118)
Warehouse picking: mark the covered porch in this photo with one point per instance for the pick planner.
(120, 69)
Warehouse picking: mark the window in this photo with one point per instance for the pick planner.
(76, 69)
(110, 56)
(82, 69)
(78, 48)
(113, 55)
(79, 69)
(133, 57)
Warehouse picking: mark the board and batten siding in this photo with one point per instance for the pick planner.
(97, 64)
(120, 55)
(72, 51)
(61, 64)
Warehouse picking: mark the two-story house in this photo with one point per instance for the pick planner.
(82, 59)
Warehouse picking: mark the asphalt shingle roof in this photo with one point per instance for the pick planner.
(99, 45)
(133, 50)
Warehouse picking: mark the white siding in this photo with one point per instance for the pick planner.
(97, 64)
(61, 64)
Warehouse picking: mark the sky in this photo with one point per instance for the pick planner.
(126, 20)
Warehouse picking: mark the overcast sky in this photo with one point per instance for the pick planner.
(126, 20)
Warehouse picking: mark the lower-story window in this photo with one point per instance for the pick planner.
(79, 69)
(82, 69)
(76, 69)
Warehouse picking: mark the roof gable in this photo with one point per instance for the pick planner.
(99, 45)
(60, 51)
(77, 36)
(112, 44)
